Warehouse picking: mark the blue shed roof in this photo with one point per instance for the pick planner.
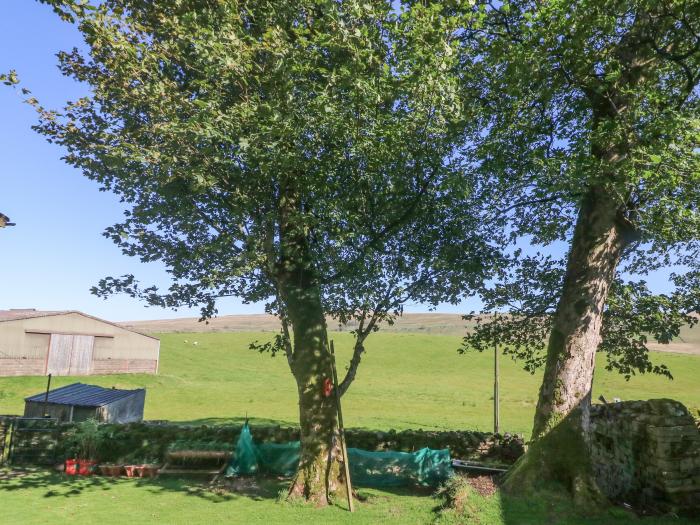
(82, 395)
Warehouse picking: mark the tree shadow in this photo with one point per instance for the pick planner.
(550, 504)
(56, 484)
(59, 485)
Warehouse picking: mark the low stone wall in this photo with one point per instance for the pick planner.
(648, 453)
(151, 441)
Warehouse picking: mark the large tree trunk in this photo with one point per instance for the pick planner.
(319, 475)
(559, 450)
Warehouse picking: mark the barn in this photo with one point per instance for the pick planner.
(78, 402)
(72, 343)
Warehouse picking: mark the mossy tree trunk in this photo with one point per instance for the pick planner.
(319, 475)
(560, 449)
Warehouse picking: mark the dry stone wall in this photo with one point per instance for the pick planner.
(149, 441)
(648, 453)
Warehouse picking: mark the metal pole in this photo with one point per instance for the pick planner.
(46, 397)
(341, 431)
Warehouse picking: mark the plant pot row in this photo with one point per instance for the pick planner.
(81, 467)
(130, 471)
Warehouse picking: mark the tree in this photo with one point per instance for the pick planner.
(590, 136)
(5, 221)
(297, 153)
(633, 316)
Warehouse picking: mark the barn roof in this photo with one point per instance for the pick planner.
(27, 313)
(79, 394)
(30, 313)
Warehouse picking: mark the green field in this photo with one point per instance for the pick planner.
(43, 498)
(404, 381)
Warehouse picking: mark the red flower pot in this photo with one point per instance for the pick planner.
(86, 467)
(80, 467)
(72, 467)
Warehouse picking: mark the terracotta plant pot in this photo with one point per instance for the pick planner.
(148, 471)
(131, 470)
(111, 470)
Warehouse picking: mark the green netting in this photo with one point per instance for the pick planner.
(279, 459)
(391, 469)
(244, 461)
(367, 468)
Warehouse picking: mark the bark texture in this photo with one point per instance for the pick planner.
(595, 253)
(559, 450)
(319, 475)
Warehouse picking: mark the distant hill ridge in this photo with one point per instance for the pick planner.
(445, 324)
(431, 323)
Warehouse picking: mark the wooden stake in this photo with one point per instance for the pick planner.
(341, 430)
(496, 418)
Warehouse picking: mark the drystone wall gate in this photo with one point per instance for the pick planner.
(29, 440)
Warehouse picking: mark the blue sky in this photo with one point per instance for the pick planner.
(56, 252)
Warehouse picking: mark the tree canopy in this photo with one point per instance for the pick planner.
(302, 154)
(563, 84)
(343, 157)
(589, 137)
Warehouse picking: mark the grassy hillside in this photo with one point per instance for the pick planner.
(433, 323)
(404, 381)
(688, 341)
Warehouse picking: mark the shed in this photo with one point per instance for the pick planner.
(69, 342)
(78, 402)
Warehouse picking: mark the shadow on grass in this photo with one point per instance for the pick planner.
(555, 507)
(53, 485)
(465, 503)
(58, 485)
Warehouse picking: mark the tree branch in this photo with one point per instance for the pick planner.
(358, 350)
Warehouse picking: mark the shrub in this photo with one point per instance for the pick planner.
(84, 440)
(459, 499)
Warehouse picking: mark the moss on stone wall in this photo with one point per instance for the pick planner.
(150, 442)
(647, 453)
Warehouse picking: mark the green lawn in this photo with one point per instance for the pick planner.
(404, 381)
(42, 498)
